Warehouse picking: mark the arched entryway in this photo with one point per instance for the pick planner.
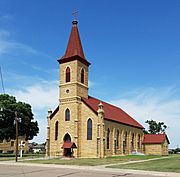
(68, 146)
(67, 137)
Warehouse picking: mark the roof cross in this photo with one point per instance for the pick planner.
(75, 14)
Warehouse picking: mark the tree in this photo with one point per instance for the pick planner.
(156, 127)
(27, 126)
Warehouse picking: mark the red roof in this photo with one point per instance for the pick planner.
(54, 112)
(154, 138)
(74, 47)
(69, 144)
(112, 113)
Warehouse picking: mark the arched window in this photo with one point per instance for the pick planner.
(117, 139)
(67, 115)
(82, 76)
(68, 74)
(56, 130)
(89, 129)
(108, 135)
(132, 142)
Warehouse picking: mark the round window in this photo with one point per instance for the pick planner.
(67, 91)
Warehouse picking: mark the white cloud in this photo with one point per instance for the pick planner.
(42, 122)
(156, 104)
(43, 95)
(6, 45)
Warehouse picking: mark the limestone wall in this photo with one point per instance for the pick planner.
(63, 127)
(75, 87)
(153, 149)
(165, 148)
(88, 148)
(156, 149)
(113, 126)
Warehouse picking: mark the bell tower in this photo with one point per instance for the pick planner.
(73, 68)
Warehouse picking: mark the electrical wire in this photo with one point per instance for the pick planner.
(2, 83)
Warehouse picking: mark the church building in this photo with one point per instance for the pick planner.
(84, 126)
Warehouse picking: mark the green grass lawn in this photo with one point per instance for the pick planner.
(92, 161)
(171, 164)
(5, 157)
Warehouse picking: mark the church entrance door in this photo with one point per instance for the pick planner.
(67, 152)
(68, 146)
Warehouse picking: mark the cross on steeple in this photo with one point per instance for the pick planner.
(75, 14)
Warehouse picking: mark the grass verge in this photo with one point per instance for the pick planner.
(92, 161)
(171, 164)
(6, 157)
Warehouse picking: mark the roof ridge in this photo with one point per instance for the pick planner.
(157, 138)
(115, 107)
(117, 114)
(156, 134)
(108, 103)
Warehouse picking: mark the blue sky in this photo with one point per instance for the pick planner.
(134, 48)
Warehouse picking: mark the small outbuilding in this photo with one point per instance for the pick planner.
(155, 144)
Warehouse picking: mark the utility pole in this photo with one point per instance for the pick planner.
(16, 121)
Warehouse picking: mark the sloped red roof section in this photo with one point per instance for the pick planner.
(155, 138)
(74, 50)
(69, 144)
(112, 113)
(74, 46)
(54, 112)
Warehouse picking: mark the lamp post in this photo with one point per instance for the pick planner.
(17, 120)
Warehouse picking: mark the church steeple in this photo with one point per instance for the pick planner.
(74, 46)
(73, 68)
(74, 50)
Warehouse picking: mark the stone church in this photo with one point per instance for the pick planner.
(84, 126)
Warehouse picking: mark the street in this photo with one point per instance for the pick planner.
(33, 170)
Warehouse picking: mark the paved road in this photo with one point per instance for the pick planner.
(10, 169)
(20, 170)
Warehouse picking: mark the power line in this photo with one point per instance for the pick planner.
(2, 80)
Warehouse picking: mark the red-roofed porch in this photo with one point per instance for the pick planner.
(68, 145)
